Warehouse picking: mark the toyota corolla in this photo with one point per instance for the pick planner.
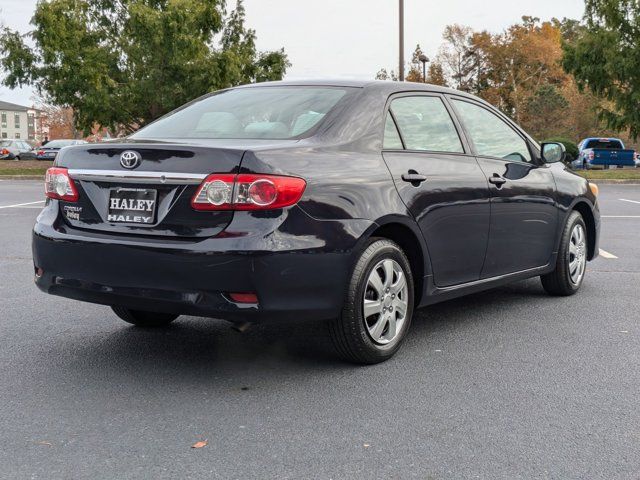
(346, 202)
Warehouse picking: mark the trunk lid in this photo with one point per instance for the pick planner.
(146, 191)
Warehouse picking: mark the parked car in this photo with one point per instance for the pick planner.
(352, 202)
(636, 159)
(50, 150)
(603, 152)
(15, 149)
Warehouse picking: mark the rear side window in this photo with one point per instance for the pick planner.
(425, 124)
(491, 135)
(392, 140)
(253, 113)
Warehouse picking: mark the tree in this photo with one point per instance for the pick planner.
(435, 74)
(543, 111)
(604, 58)
(415, 67)
(60, 120)
(456, 56)
(124, 63)
(383, 74)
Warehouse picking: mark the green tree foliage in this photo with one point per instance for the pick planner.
(544, 109)
(124, 63)
(605, 59)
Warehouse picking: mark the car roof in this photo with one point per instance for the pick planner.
(610, 139)
(380, 85)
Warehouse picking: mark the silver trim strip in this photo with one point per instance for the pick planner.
(164, 178)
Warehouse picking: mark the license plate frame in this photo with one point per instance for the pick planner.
(131, 205)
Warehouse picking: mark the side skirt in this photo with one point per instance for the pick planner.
(434, 294)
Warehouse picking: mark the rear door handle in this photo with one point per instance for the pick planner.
(498, 180)
(414, 178)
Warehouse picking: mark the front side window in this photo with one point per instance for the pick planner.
(425, 124)
(491, 135)
(252, 113)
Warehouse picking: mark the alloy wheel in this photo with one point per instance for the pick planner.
(385, 301)
(577, 254)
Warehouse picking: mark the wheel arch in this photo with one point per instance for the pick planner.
(412, 243)
(584, 209)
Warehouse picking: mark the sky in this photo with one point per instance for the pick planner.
(347, 38)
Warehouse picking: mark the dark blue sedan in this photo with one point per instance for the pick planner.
(352, 203)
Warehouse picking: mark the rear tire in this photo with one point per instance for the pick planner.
(378, 305)
(144, 319)
(570, 269)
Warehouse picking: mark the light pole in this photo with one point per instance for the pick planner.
(424, 59)
(401, 66)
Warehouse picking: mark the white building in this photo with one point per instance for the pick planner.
(17, 121)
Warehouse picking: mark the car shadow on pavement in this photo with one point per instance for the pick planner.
(194, 348)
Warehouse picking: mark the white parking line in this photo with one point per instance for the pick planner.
(21, 204)
(620, 216)
(605, 254)
(630, 201)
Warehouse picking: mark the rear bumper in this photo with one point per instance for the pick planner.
(604, 162)
(298, 276)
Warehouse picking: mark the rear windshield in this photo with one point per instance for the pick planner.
(604, 144)
(60, 143)
(6, 143)
(253, 113)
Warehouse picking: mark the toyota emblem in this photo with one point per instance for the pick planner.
(130, 159)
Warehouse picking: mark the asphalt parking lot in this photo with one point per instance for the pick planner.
(505, 384)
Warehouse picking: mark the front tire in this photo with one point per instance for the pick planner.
(378, 305)
(144, 319)
(571, 263)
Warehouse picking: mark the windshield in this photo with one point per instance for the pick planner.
(252, 113)
(605, 144)
(60, 143)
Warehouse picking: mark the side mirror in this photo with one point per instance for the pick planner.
(553, 152)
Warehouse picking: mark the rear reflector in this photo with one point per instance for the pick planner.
(59, 185)
(247, 192)
(244, 297)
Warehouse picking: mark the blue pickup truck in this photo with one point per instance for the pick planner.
(604, 152)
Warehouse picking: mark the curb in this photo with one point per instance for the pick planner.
(611, 181)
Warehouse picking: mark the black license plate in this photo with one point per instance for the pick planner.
(132, 205)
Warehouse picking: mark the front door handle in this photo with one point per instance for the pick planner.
(414, 178)
(497, 180)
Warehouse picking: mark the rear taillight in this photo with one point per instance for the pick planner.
(247, 192)
(4, 151)
(592, 155)
(40, 153)
(59, 185)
